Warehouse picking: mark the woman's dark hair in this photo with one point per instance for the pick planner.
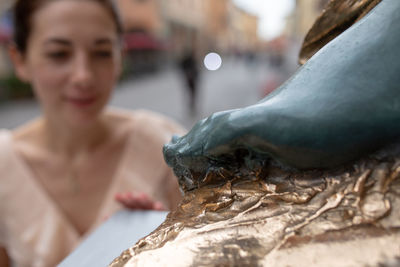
(25, 9)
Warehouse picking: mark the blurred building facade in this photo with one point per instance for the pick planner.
(303, 17)
(243, 30)
(140, 15)
(217, 24)
(184, 22)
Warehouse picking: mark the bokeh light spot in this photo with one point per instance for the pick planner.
(212, 61)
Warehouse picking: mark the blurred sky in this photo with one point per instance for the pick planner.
(272, 14)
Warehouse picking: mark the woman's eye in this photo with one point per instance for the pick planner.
(57, 55)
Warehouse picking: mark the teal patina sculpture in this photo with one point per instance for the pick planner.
(342, 104)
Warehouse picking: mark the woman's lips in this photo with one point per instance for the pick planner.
(81, 101)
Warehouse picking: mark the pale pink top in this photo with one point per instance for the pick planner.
(34, 230)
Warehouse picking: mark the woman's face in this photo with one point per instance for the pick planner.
(72, 60)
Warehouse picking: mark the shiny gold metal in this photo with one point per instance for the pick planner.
(274, 217)
(335, 19)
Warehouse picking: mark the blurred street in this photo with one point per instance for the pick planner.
(236, 84)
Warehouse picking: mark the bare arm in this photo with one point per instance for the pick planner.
(4, 261)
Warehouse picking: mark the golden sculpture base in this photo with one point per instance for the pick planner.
(275, 217)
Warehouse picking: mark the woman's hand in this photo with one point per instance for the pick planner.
(138, 201)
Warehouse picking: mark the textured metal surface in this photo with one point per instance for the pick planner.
(338, 16)
(272, 217)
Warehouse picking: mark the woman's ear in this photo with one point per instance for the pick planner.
(18, 60)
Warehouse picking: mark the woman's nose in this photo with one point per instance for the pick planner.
(82, 72)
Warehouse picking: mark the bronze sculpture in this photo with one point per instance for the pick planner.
(310, 175)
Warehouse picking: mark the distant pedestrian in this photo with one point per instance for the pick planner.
(190, 71)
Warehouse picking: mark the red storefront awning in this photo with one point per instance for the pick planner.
(142, 41)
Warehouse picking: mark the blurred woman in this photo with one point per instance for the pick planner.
(63, 173)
